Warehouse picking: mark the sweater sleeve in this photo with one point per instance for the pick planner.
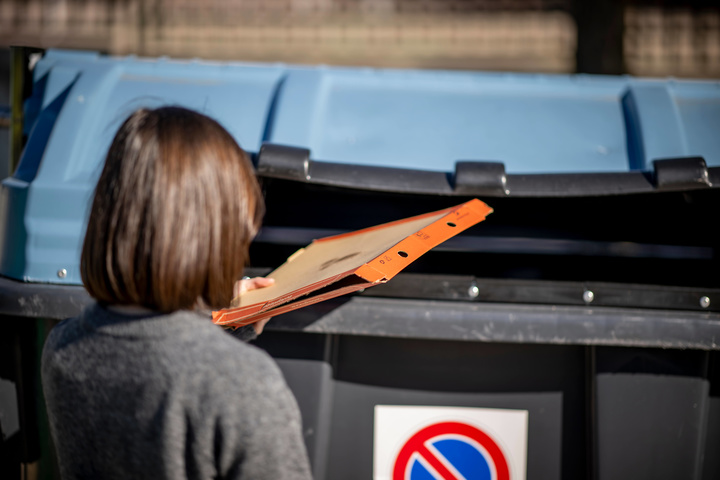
(245, 333)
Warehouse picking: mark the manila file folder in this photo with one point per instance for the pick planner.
(341, 264)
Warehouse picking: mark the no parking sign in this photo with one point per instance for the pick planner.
(449, 443)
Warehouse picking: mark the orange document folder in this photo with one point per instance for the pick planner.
(341, 264)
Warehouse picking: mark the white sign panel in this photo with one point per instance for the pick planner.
(449, 443)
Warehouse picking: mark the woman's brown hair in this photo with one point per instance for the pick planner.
(175, 209)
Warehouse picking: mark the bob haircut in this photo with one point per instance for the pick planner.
(174, 212)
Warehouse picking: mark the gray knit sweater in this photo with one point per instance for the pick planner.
(167, 397)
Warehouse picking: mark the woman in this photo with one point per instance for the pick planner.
(141, 384)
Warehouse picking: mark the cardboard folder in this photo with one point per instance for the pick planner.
(341, 264)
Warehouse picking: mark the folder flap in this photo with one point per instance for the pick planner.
(413, 246)
(351, 284)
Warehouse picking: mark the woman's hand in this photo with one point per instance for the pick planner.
(247, 284)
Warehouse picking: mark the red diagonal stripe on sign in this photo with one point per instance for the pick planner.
(435, 463)
(416, 443)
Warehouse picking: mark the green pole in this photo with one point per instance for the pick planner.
(46, 467)
(18, 62)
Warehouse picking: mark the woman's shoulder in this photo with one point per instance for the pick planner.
(242, 352)
(198, 344)
(64, 332)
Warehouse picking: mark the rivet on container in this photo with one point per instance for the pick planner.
(62, 273)
(705, 302)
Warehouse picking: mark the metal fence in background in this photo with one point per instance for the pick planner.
(514, 35)
(677, 41)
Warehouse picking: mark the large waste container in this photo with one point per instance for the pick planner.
(577, 329)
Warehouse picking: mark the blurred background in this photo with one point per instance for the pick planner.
(639, 37)
(660, 38)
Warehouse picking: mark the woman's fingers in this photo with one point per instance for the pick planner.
(259, 325)
(247, 284)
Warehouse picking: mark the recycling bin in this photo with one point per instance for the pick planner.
(573, 334)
